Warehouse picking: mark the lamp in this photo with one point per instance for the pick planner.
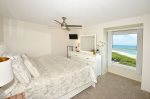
(6, 73)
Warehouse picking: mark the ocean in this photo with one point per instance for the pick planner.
(126, 49)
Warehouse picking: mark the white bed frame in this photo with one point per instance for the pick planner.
(77, 91)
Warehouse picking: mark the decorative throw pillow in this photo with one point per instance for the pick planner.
(31, 66)
(20, 70)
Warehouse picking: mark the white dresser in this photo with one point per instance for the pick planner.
(90, 59)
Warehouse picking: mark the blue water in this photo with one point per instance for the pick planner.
(126, 49)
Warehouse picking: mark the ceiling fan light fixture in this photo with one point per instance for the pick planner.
(63, 27)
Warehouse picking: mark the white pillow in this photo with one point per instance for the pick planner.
(20, 70)
(31, 66)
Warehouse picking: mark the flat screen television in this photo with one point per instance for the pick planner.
(73, 36)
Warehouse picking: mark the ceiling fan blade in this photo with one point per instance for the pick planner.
(74, 25)
(57, 21)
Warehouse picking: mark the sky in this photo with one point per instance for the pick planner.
(125, 39)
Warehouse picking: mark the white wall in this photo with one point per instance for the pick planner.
(146, 54)
(99, 29)
(59, 41)
(1, 30)
(33, 39)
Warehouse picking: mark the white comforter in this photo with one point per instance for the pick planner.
(58, 76)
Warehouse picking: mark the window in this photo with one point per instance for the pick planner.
(124, 48)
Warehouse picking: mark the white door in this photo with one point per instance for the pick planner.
(125, 53)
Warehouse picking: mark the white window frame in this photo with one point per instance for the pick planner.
(138, 68)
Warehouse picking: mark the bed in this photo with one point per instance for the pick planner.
(60, 78)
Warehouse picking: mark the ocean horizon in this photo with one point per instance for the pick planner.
(129, 49)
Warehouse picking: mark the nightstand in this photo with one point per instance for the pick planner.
(18, 96)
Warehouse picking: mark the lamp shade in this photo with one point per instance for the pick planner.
(6, 73)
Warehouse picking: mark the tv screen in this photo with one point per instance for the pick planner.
(73, 36)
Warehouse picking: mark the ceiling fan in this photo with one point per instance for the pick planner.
(65, 26)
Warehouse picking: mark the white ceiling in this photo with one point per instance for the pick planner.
(78, 11)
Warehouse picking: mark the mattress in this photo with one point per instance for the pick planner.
(58, 76)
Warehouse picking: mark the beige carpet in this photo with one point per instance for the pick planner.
(111, 86)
